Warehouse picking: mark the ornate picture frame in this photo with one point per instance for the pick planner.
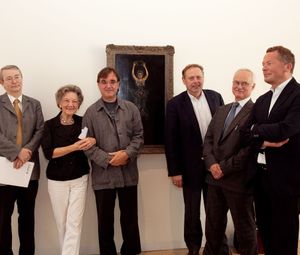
(146, 79)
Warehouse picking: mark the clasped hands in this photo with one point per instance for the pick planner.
(85, 143)
(216, 171)
(23, 156)
(118, 158)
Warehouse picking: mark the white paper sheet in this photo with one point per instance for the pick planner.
(15, 177)
(83, 133)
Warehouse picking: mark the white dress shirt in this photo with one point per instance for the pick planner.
(261, 158)
(202, 112)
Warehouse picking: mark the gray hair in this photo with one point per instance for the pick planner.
(68, 88)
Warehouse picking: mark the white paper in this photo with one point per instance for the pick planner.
(83, 133)
(261, 158)
(15, 177)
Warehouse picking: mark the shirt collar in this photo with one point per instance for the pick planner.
(12, 99)
(279, 88)
(195, 98)
(243, 102)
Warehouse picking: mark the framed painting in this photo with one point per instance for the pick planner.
(146, 79)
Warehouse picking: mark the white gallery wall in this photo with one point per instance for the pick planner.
(57, 42)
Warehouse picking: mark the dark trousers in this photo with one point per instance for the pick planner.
(25, 198)
(192, 225)
(219, 201)
(277, 217)
(105, 201)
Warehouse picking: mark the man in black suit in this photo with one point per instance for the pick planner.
(187, 118)
(275, 134)
(226, 157)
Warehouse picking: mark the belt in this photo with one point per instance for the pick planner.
(263, 166)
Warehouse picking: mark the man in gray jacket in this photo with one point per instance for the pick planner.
(116, 124)
(21, 129)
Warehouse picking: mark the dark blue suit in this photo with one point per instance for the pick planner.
(183, 145)
(278, 184)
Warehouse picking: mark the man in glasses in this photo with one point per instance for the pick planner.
(21, 128)
(226, 158)
(116, 124)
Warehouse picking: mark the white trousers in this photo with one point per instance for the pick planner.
(68, 204)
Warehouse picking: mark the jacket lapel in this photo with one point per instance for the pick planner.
(7, 104)
(189, 109)
(284, 95)
(236, 121)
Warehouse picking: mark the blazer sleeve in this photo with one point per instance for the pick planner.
(281, 130)
(34, 142)
(95, 153)
(208, 145)
(137, 139)
(172, 140)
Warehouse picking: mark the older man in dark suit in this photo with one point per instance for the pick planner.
(226, 158)
(275, 134)
(187, 118)
(21, 129)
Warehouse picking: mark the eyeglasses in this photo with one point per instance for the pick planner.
(243, 84)
(13, 78)
(111, 82)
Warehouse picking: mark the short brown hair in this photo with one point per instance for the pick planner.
(68, 88)
(9, 67)
(285, 55)
(192, 66)
(105, 72)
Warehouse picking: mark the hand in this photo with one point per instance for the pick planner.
(216, 171)
(24, 155)
(119, 158)
(177, 180)
(18, 163)
(275, 144)
(85, 143)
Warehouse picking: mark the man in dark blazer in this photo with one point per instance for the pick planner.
(19, 151)
(187, 118)
(275, 134)
(226, 158)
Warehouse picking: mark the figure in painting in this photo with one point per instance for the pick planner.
(140, 74)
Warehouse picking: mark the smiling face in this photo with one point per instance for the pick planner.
(109, 87)
(12, 82)
(193, 79)
(242, 84)
(275, 71)
(69, 104)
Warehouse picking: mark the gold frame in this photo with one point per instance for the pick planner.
(148, 52)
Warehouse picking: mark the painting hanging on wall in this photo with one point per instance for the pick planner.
(146, 79)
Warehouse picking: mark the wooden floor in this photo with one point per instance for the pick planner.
(184, 252)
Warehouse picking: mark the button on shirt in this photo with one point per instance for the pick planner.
(202, 112)
(261, 158)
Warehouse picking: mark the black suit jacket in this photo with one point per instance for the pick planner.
(228, 149)
(183, 141)
(283, 122)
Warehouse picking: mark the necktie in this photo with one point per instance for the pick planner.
(19, 117)
(230, 116)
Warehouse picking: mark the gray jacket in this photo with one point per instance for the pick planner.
(33, 124)
(126, 134)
